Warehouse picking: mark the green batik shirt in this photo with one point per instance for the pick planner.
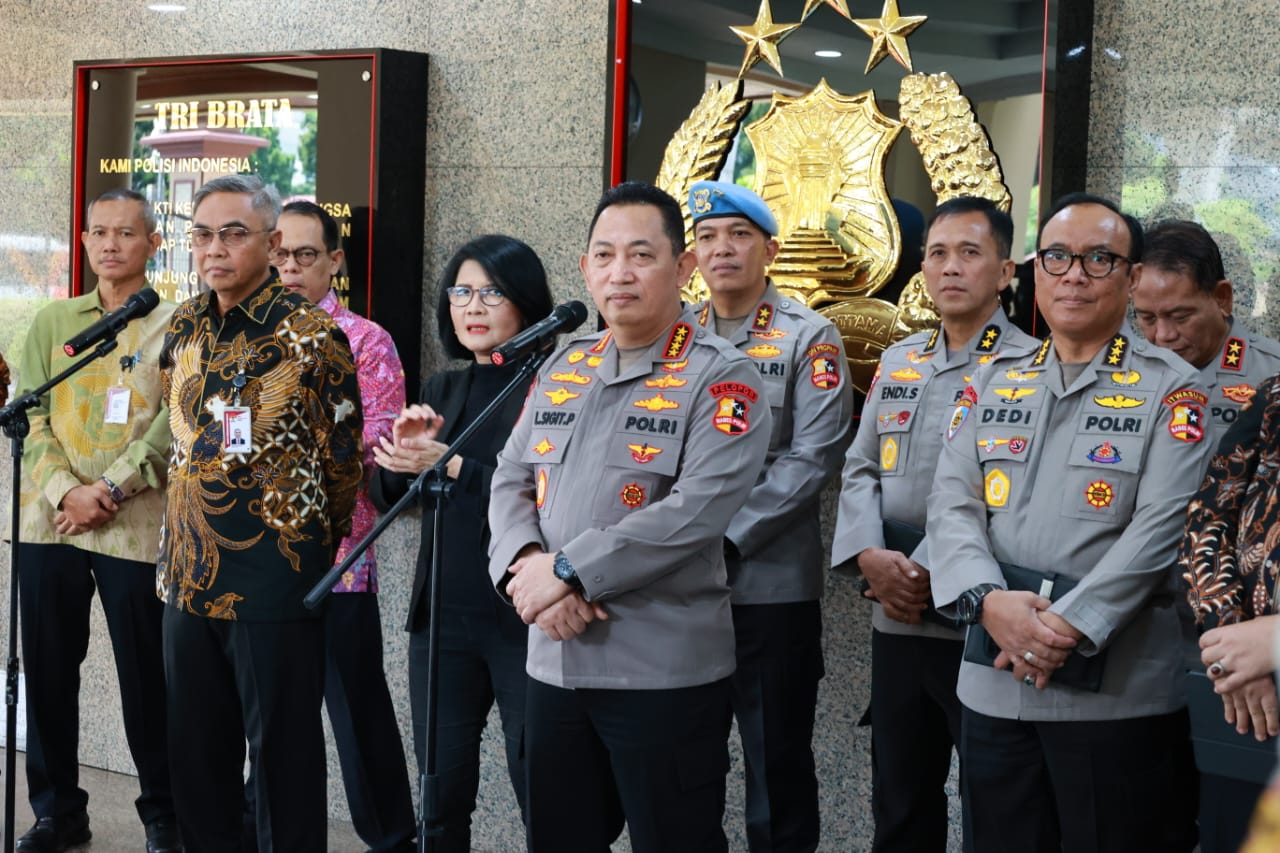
(249, 530)
(71, 443)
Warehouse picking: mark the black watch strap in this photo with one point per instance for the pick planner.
(564, 570)
(969, 604)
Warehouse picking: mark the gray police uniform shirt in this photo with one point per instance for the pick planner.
(889, 468)
(1092, 482)
(778, 532)
(1246, 361)
(635, 477)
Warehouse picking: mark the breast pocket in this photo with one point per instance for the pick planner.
(638, 471)
(1003, 455)
(545, 452)
(893, 429)
(1102, 478)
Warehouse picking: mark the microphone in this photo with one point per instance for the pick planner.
(563, 318)
(138, 305)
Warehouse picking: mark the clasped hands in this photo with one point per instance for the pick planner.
(412, 447)
(1238, 659)
(543, 599)
(900, 584)
(1033, 641)
(84, 508)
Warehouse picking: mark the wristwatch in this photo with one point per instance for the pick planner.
(969, 604)
(564, 570)
(117, 493)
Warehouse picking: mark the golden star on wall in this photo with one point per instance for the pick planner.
(762, 40)
(841, 6)
(888, 35)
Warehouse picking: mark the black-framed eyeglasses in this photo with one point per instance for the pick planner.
(233, 236)
(1096, 264)
(461, 295)
(305, 256)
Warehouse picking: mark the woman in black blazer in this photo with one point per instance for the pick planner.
(493, 287)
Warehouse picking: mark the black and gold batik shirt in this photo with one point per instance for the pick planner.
(251, 527)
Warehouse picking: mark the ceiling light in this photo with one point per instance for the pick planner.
(828, 54)
(167, 7)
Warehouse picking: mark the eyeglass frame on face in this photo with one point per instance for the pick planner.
(280, 256)
(491, 296)
(1072, 257)
(231, 236)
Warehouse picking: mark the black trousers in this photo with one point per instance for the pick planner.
(1099, 786)
(264, 681)
(654, 758)
(364, 724)
(482, 658)
(56, 585)
(775, 696)
(1226, 807)
(915, 722)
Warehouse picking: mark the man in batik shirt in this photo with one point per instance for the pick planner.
(249, 530)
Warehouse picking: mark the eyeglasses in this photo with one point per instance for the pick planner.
(305, 256)
(461, 295)
(1096, 264)
(233, 236)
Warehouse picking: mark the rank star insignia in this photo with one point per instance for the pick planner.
(1125, 377)
(763, 351)
(666, 382)
(1119, 401)
(632, 495)
(1099, 494)
(888, 454)
(573, 377)
(560, 396)
(989, 337)
(1105, 454)
(1239, 393)
(996, 487)
(763, 313)
(656, 403)
(906, 374)
(542, 448)
(1233, 354)
(643, 453)
(1013, 395)
(678, 340)
(1118, 346)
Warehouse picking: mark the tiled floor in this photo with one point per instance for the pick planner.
(114, 821)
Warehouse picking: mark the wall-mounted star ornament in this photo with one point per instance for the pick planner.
(762, 40)
(888, 34)
(841, 6)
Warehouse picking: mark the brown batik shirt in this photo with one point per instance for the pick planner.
(248, 531)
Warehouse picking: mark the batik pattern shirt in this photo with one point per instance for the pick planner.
(247, 533)
(71, 443)
(1230, 553)
(381, 378)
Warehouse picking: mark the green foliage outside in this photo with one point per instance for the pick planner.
(744, 165)
(307, 155)
(273, 165)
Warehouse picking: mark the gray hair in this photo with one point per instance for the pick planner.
(126, 194)
(265, 201)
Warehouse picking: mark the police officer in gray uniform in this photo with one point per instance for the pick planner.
(1072, 468)
(915, 658)
(1183, 302)
(773, 546)
(608, 509)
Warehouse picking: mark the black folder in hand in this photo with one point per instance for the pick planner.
(906, 538)
(1080, 672)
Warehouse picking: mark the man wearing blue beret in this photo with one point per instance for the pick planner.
(773, 547)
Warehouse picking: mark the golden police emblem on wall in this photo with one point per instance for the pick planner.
(820, 164)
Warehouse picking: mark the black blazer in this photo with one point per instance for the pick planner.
(467, 585)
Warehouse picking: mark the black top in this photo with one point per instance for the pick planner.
(459, 396)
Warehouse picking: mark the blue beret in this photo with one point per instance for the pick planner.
(721, 198)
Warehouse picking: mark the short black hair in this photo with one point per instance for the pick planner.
(125, 194)
(638, 192)
(1073, 199)
(1180, 245)
(328, 224)
(512, 267)
(1001, 225)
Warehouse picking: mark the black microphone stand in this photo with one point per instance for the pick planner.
(13, 420)
(433, 482)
